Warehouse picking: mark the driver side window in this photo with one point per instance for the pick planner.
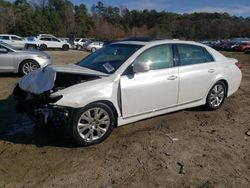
(158, 57)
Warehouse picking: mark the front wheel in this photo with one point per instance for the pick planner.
(92, 124)
(93, 50)
(43, 47)
(28, 66)
(216, 96)
(65, 47)
(31, 47)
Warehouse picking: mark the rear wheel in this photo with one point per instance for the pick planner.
(28, 66)
(92, 124)
(216, 96)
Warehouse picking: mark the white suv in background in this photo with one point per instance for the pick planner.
(13, 40)
(47, 41)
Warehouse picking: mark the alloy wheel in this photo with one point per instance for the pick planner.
(93, 124)
(217, 95)
(29, 67)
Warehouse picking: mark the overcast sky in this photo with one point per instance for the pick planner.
(233, 7)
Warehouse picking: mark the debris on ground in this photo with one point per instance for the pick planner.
(181, 171)
(248, 132)
(175, 139)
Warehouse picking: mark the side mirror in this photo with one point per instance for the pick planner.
(141, 67)
(3, 51)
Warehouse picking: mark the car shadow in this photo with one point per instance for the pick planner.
(16, 75)
(18, 128)
(198, 109)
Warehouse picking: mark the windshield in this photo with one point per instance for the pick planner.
(8, 46)
(109, 58)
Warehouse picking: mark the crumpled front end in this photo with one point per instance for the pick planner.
(34, 94)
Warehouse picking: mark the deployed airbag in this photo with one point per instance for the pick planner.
(39, 81)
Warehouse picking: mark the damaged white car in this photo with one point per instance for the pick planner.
(126, 82)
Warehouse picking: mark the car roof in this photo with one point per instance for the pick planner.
(9, 35)
(158, 42)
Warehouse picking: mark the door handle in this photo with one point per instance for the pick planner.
(172, 77)
(211, 70)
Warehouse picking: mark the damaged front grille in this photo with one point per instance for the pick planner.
(40, 106)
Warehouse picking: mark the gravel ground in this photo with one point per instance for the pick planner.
(212, 147)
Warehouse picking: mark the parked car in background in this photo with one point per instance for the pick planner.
(105, 43)
(21, 61)
(81, 44)
(229, 46)
(126, 82)
(93, 46)
(247, 50)
(76, 41)
(241, 47)
(66, 39)
(47, 41)
(13, 40)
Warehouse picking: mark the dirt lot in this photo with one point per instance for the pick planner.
(212, 146)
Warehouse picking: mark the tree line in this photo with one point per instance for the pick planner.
(63, 18)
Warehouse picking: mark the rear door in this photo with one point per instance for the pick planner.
(46, 41)
(17, 42)
(154, 90)
(56, 43)
(197, 70)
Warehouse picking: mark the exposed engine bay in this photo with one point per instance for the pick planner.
(39, 106)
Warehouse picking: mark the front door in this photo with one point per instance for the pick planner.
(154, 90)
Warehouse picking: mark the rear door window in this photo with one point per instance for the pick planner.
(45, 39)
(192, 54)
(55, 40)
(15, 38)
(4, 38)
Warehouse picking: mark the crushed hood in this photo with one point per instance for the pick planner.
(43, 79)
(75, 69)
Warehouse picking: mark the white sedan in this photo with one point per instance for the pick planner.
(128, 81)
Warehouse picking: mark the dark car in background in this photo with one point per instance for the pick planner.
(241, 47)
(229, 46)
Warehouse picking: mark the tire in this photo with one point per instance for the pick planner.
(65, 47)
(31, 47)
(93, 50)
(28, 66)
(216, 96)
(78, 47)
(87, 130)
(43, 47)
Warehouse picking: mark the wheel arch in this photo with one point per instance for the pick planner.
(223, 80)
(225, 83)
(111, 105)
(23, 61)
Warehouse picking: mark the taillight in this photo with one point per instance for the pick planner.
(238, 64)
